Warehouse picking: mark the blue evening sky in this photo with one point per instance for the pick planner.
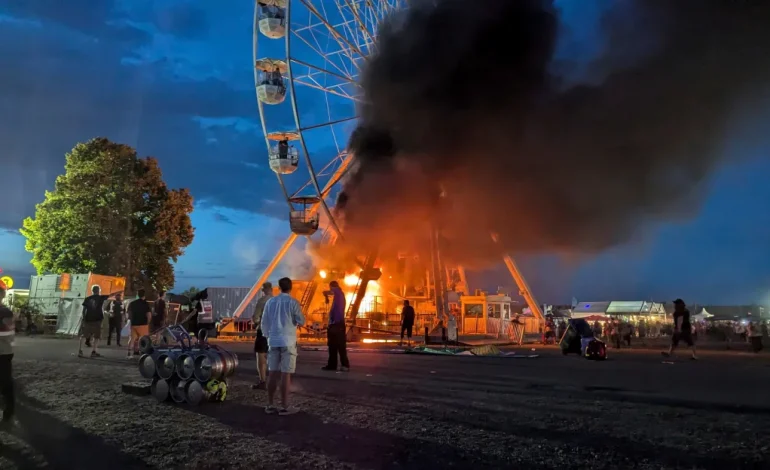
(173, 78)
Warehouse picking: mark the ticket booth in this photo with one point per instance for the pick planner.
(474, 314)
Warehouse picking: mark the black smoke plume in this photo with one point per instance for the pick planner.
(461, 98)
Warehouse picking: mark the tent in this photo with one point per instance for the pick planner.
(703, 315)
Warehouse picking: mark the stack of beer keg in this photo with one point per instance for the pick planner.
(185, 372)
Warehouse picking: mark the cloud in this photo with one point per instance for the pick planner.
(220, 217)
(132, 72)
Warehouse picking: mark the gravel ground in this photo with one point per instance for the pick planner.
(401, 411)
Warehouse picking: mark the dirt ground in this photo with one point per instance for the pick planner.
(398, 411)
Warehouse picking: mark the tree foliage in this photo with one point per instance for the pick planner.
(111, 213)
(190, 293)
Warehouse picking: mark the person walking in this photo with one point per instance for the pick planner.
(281, 317)
(139, 312)
(159, 311)
(7, 334)
(93, 316)
(407, 323)
(682, 329)
(116, 312)
(260, 343)
(335, 333)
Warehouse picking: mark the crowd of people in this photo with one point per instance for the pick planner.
(620, 333)
(145, 319)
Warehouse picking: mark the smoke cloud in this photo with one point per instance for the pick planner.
(462, 100)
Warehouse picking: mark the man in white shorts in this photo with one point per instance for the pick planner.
(281, 317)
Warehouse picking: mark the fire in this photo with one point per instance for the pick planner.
(372, 290)
(322, 273)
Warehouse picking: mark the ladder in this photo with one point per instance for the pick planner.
(361, 285)
(307, 296)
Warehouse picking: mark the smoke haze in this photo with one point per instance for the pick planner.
(462, 98)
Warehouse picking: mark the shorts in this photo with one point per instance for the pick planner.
(260, 344)
(138, 331)
(92, 329)
(407, 329)
(282, 359)
(685, 336)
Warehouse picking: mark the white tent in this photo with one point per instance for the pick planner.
(703, 315)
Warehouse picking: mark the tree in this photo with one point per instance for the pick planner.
(190, 293)
(111, 213)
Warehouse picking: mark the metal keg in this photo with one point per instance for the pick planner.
(145, 345)
(208, 365)
(166, 363)
(147, 366)
(177, 390)
(159, 389)
(195, 392)
(185, 364)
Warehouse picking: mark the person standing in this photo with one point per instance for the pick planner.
(260, 343)
(93, 316)
(159, 312)
(755, 337)
(7, 334)
(407, 323)
(116, 312)
(139, 312)
(335, 333)
(682, 329)
(282, 315)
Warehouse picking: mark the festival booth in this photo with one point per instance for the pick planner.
(485, 314)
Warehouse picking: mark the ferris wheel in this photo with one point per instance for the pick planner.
(307, 58)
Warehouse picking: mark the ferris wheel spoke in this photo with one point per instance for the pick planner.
(360, 23)
(326, 57)
(328, 170)
(342, 40)
(326, 124)
(317, 86)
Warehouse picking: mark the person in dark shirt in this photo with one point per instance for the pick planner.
(159, 312)
(335, 334)
(139, 313)
(682, 329)
(407, 322)
(116, 312)
(93, 315)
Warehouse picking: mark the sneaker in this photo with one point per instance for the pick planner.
(334, 369)
(259, 386)
(271, 409)
(80, 353)
(290, 410)
(130, 355)
(95, 354)
(345, 369)
(694, 358)
(665, 354)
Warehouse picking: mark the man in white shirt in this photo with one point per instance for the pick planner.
(281, 317)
